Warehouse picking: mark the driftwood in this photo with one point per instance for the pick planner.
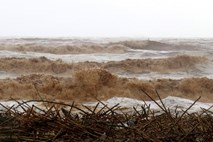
(102, 124)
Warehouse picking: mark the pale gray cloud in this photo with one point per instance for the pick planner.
(101, 18)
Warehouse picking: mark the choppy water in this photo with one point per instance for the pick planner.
(195, 47)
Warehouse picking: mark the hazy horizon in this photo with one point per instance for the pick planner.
(107, 18)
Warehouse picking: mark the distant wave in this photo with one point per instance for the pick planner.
(55, 48)
(58, 46)
(164, 65)
(44, 65)
(147, 44)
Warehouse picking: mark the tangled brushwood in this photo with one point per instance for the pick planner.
(102, 123)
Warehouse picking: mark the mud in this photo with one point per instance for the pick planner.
(89, 85)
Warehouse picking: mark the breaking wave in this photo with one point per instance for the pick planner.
(165, 65)
(44, 65)
(92, 84)
(65, 49)
(146, 44)
(81, 47)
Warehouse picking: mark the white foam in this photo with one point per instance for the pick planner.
(172, 75)
(96, 57)
(16, 105)
(170, 102)
(4, 75)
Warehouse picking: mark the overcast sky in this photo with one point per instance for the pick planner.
(106, 18)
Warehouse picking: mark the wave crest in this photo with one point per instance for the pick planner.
(89, 85)
(44, 65)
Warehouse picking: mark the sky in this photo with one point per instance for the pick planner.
(106, 18)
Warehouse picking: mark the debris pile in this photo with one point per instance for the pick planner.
(71, 122)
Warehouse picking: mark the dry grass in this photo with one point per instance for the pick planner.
(102, 124)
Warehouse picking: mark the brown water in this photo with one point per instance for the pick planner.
(58, 67)
(89, 85)
(86, 69)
